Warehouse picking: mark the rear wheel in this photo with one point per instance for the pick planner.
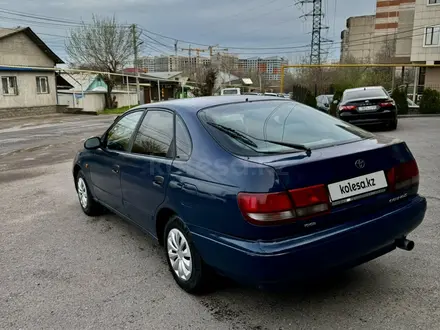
(88, 204)
(393, 125)
(185, 263)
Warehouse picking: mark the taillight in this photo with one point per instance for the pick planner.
(273, 208)
(403, 175)
(347, 107)
(388, 104)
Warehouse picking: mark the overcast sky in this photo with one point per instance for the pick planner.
(230, 23)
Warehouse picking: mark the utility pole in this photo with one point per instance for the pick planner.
(136, 64)
(317, 15)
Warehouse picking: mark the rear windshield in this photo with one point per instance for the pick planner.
(364, 94)
(279, 121)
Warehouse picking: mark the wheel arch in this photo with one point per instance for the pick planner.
(162, 218)
(76, 170)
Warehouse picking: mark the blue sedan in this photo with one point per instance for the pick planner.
(263, 190)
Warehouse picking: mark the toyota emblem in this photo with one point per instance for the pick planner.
(360, 164)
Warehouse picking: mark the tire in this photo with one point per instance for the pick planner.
(88, 204)
(193, 275)
(393, 125)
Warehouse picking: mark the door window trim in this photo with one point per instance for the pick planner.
(173, 113)
(175, 135)
(130, 143)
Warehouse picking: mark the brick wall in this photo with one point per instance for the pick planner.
(30, 111)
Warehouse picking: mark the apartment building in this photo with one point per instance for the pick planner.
(357, 39)
(269, 67)
(426, 41)
(388, 31)
(170, 63)
(225, 61)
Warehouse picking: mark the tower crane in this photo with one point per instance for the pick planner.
(197, 50)
(211, 48)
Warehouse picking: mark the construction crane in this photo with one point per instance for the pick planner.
(216, 46)
(197, 50)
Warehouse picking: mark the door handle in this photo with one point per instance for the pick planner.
(158, 180)
(115, 169)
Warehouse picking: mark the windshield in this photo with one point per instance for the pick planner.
(277, 121)
(229, 91)
(364, 94)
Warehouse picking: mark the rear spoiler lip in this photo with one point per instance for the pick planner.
(300, 158)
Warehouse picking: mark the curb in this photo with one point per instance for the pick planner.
(419, 116)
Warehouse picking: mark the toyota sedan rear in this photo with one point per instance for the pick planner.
(260, 189)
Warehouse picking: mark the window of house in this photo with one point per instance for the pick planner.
(155, 135)
(433, 2)
(432, 36)
(42, 85)
(9, 85)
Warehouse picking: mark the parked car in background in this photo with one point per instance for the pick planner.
(368, 106)
(230, 91)
(270, 94)
(252, 93)
(323, 102)
(250, 189)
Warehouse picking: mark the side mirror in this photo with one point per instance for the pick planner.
(92, 143)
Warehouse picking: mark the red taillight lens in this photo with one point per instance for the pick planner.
(260, 208)
(276, 207)
(347, 107)
(403, 175)
(310, 201)
(386, 104)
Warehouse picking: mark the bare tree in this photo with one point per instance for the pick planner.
(103, 45)
(205, 78)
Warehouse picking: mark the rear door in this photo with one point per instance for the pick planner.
(145, 171)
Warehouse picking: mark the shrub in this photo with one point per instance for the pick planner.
(401, 100)
(303, 95)
(310, 100)
(430, 102)
(333, 107)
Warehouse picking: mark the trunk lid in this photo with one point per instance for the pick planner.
(342, 169)
(369, 105)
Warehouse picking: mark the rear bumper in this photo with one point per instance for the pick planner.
(368, 118)
(344, 246)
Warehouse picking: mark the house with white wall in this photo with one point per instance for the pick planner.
(27, 76)
(88, 92)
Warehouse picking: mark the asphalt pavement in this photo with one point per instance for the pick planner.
(62, 270)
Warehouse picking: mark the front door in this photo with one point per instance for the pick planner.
(145, 173)
(105, 167)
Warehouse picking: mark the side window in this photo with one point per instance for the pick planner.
(155, 135)
(118, 138)
(183, 140)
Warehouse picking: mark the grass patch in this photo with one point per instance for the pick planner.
(116, 111)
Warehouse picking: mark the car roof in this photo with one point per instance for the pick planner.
(197, 103)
